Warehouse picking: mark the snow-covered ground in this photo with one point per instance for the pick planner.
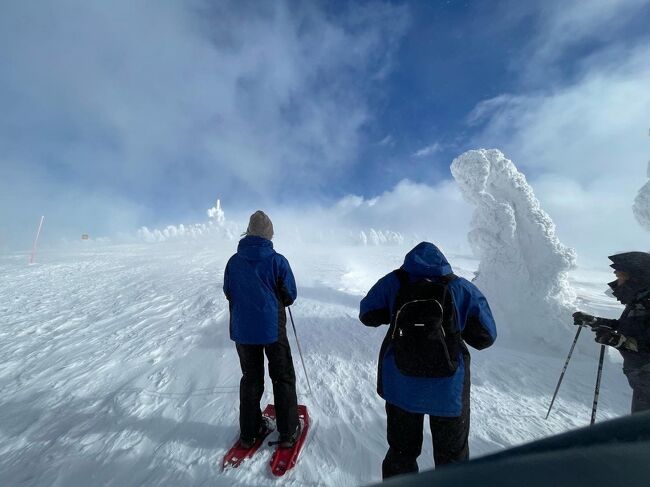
(116, 369)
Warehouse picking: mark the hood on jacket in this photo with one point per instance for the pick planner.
(255, 248)
(637, 265)
(426, 260)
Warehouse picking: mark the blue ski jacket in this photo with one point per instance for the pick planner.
(258, 284)
(433, 396)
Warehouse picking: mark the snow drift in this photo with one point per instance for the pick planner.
(642, 204)
(523, 267)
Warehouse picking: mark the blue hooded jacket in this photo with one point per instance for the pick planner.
(433, 396)
(258, 284)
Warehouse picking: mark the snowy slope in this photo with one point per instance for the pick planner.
(116, 369)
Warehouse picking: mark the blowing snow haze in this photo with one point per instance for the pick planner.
(125, 115)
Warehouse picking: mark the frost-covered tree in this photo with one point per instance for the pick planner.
(217, 227)
(642, 204)
(523, 267)
(216, 214)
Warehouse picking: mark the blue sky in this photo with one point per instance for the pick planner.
(122, 114)
(455, 55)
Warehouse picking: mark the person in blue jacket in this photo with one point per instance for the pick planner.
(259, 284)
(428, 374)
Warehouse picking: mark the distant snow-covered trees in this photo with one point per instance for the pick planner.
(217, 226)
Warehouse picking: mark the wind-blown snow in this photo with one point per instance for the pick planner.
(116, 369)
(523, 267)
(642, 204)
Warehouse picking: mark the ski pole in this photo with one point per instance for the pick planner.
(566, 364)
(299, 350)
(597, 391)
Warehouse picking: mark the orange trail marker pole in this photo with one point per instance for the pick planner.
(38, 233)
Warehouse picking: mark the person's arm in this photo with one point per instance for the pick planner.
(374, 309)
(226, 282)
(480, 330)
(636, 341)
(286, 283)
(584, 319)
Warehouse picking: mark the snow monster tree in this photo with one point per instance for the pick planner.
(523, 267)
(642, 204)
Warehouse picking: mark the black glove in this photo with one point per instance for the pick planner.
(607, 336)
(583, 319)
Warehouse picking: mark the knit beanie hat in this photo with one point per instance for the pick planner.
(260, 225)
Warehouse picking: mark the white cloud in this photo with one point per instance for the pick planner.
(417, 211)
(587, 129)
(561, 34)
(387, 141)
(565, 24)
(428, 150)
(183, 99)
(596, 219)
(583, 144)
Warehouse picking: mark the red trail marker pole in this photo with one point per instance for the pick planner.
(38, 233)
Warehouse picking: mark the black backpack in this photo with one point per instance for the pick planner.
(424, 333)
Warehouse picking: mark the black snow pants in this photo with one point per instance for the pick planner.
(405, 434)
(251, 388)
(640, 382)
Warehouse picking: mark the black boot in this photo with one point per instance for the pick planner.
(264, 429)
(288, 441)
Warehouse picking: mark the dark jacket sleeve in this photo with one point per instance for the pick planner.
(374, 309)
(286, 283)
(480, 330)
(610, 323)
(226, 282)
(635, 323)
